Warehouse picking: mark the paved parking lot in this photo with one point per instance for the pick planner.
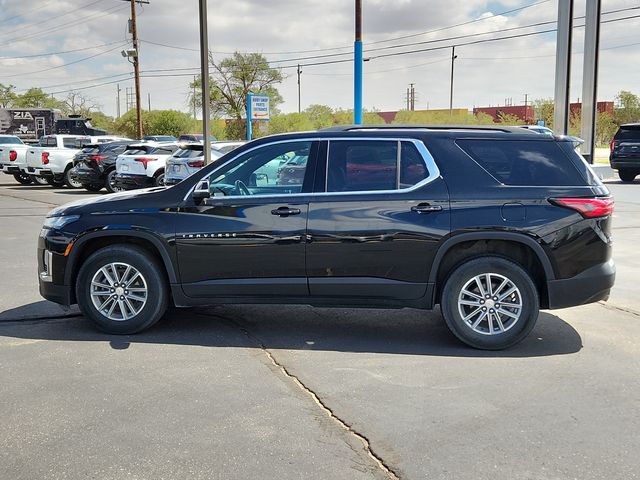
(294, 392)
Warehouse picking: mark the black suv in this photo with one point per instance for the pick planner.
(625, 152)
(490, 223)
(95, 165)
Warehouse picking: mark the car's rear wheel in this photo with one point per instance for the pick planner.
(22, 178)
(93, 187)
(55, 183)
(39, 180)
(122, 289)
(158, 179)
(627, 175)
(70, 179)
(110, 182)
(490, 303)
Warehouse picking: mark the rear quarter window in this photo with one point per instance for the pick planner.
(522, 162)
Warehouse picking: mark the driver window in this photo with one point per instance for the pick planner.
(271, 169)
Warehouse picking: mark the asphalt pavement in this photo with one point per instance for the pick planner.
(243, 392)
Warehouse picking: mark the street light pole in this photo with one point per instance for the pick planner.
(204, 72)
(299, 72)
(357, 67)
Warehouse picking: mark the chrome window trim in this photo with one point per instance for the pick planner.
(429, 161)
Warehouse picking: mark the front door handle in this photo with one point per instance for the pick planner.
(285, 211)
(426, 208)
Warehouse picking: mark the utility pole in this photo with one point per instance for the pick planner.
(563, 67)
(408, 99)
(299, 72)
(204, 73)
(149, 100)
(136, 67)
(526, 101)
(590, 77)
(118, 101)
(453, 58)
(357, 67)
(412, 95)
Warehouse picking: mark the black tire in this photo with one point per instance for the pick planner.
(55, 183)
(158, 179)
(22, 178)
(154, 278)
(499, 268)
(39, 180)
(70, 181)
(109, 182)
(627, 175)
(93, 188)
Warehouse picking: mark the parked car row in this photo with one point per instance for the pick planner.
(107, 162)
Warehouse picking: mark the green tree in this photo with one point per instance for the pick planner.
(100, 120)
(36, 98)
(7, 95)
(126, 124)
(606, 128)
(543, 108)
(628, 109)
(508, 119)
(232, 79)
(290, 122)
(321, 116)
(168, 122)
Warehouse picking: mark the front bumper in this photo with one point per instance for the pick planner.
(131, 182)
(591, 285)
(51, 267)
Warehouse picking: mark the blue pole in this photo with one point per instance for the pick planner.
(357, 83)
(249, 116)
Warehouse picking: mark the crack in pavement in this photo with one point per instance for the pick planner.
(377, 459)
(39, 318)
(610, 306)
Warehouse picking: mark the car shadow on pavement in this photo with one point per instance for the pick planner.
(402, 332)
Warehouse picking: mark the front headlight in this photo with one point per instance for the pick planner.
(59, 222)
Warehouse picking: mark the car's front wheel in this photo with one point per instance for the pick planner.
(490, 303)
(70, 179)
(627, 175)
(122, 289)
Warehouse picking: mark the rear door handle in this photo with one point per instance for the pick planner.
(426, 208)
(285, 211)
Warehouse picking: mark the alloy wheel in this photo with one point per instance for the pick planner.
(118, 291)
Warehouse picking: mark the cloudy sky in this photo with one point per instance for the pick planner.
(75, 44)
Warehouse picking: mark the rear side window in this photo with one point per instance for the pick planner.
(187, 153)
(114, 149)
(524, 163)
(628, 133)
(373, 165)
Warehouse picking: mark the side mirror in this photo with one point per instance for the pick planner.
(202, 191)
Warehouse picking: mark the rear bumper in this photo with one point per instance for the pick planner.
(625, 162)
(87, 176)
(10, 169)
(172, 181)
(130, 182)
(592, 285)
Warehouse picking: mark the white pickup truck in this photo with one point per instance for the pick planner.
(13, 158)
(52, 159)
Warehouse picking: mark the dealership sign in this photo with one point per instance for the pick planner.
(259, 107)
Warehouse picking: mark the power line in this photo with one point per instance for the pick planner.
(49, 19)
(67, 64)
(4, 20)
(68, 24)
(460, 24)
(60, 53)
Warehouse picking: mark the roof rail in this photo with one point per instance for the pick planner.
(488, 128)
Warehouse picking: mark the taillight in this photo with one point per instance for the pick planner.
(145, 160)
(613, 145)
(587, 207)
(98, 158)
(45, 158)
(13, 155)
(196, 163)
